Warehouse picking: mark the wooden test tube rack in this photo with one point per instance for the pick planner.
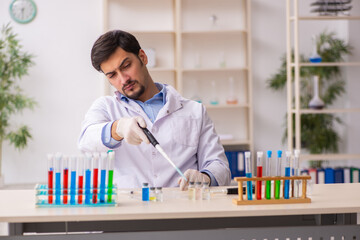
(301, 199)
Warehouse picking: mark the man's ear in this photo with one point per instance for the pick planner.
(143, 56)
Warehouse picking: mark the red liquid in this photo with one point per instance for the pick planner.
(81, 179)
(258, 183)
(95, 184)
(66, 184)
(50, 185)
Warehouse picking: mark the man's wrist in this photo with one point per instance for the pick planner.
(114, 135)
(208, 177)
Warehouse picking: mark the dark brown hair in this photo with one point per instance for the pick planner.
(107, 44)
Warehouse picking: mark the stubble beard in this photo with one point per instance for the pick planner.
(134, 94)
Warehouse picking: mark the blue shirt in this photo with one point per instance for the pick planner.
(151, 107)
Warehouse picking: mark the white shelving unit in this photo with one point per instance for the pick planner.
(197, 42)
(293, 20)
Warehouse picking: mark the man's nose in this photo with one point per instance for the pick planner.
(123, 78)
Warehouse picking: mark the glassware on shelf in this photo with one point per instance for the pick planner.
(213, 19)
(214, 99)
(222, 62)
(315, 57)
(231, 99)
(316, 102)
(196, 97)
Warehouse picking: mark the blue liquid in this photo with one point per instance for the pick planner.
(315, 59)
(145, 194)
(57, 188)
(87, 186)
(249, 187)
(73, 187)
(102, 185)
(214, 102)
(287, 183)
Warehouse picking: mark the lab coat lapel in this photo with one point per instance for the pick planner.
(173, 103)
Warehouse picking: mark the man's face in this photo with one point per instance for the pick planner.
(127, 72)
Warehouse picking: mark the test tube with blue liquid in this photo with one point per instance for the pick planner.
(50, 177)
(287, 174)
(80, 171)
(73, 166)
(268, 174)
(111, 159)
(278, 174)
(58, 159)
(296, 168)
(103, 165)
(248, 171)
(88, 160)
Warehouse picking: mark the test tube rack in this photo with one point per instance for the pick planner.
(45, 197)
(301, 199)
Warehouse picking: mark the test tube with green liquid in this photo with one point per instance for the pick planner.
(268, 174)
(278, 174)
(111, 159)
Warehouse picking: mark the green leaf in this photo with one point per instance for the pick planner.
(20, 137)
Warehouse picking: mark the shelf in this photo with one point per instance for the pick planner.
(292, 18)
(214, 69)
(322, 111)
(309, 157)
(223, 106)
(161, 69)
(224, 31)
(235, 142)
(326, 64)
(152, 32)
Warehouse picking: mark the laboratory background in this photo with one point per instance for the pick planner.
(227, 59)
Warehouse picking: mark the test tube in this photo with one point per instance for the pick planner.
(111, 157)
(73, 161)
(259, 170)
(278, 174)
(248, 174)
(296, 172)
(103, 165)
(268, 174)
(145, 192)
(80, 178)
(95, 175)
(287, 174)
(88, 178)
(65, 178)
(50, 177)
(58, 159)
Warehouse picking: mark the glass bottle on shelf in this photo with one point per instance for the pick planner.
(214, 99)
(231, 99)
(315, 57)
(222, 62)
(316, 102)
(196, 97)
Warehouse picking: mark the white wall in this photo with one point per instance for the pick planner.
(65, 84)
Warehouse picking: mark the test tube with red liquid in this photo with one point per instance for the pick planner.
(65, 179)
(259, 174)
(80, 178)
(95, 175)
(50, 177)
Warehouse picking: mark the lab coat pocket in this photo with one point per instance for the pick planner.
(186, 131)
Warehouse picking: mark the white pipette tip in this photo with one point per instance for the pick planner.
(259, 154)
(288, 154)
(297, 152)
(247, 154)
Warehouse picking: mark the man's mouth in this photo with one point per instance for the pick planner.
(129, 86)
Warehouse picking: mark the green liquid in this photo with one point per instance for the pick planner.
(268, 189)
(277, 189)
(110, 185)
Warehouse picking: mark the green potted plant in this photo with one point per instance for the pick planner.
(14, 64)
(318, 134)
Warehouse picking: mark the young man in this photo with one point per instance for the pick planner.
(181, 126)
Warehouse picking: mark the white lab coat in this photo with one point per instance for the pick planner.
(182, 128)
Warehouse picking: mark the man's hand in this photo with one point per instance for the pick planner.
(192, 175)
(128, 129)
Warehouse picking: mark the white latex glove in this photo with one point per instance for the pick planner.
(192, 175)
(129, 129)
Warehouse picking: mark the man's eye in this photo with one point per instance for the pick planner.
(112, 75)
(126, 66)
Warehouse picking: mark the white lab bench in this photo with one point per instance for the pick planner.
(332, 213)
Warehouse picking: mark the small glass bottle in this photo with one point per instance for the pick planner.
(198, 190)
(214, 99)
(152, 195)
(145, 192)
(231, 99)
(159, 194)
(205, 191)
(191, 191)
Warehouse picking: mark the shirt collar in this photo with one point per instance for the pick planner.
(160, 95)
